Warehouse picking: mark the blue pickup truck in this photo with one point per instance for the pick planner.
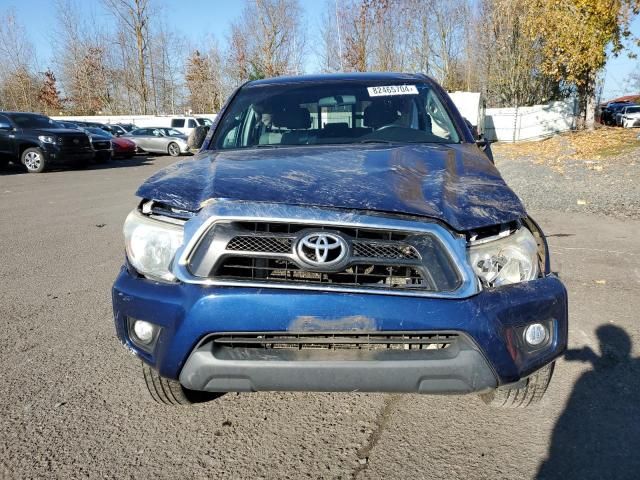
(338, 233)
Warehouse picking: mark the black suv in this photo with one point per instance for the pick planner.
(38, 142)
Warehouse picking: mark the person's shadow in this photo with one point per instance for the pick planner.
(598, 434)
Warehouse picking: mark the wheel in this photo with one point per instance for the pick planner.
(522, 397)
(170, 392)
(173, 149)
(33, 159)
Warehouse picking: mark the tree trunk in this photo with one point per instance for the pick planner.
(590, 113)
(587, 103)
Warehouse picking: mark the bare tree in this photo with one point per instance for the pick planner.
(204, 82)
(134, 15)
(268, 40)
(512, 76)
(18, 80)
(329, 49)
(81, 58)
(168, 53)
(238, 62)
(357, 22)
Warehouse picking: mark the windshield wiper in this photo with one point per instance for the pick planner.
(371, 140)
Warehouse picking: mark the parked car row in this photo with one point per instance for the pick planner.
(37, 141)
(621, 114)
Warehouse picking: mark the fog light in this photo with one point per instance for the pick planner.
(535, 334)
(144, 331)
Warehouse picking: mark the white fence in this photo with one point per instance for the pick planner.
(530, 123)
(500, 124)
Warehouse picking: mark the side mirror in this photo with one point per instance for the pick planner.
(474, 130)
(5, 126)
(483, 142)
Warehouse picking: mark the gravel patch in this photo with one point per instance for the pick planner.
(608, 187)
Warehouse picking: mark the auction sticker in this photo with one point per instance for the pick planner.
(392, 90)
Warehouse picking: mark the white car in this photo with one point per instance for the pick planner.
(631, 116)
(159, 140)
(187, 124)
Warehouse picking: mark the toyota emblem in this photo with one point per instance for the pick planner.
(322, 249)
(75, 140)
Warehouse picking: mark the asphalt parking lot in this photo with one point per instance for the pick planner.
(74, 404)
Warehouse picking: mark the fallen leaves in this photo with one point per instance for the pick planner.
(597, 146)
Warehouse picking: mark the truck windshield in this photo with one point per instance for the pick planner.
(339, 112)
(34, 121)
(98, 131)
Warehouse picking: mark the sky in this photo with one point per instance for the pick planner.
(196, 19)
(202, 19)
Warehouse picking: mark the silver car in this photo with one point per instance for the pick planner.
(159, 140)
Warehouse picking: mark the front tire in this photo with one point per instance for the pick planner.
(173, 149)
(170, 392)
(33, 160)
(521, 397)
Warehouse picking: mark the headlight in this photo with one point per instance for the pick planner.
(508, 260)
(151, 245)
(47, 139)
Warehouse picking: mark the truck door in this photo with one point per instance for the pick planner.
(7, 139)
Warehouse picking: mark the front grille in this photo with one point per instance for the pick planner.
(377, 259)
(102, 145)
(384, 250)
(279, 270)
(70, 141)
(339, 341)
(279, 244)
(248, 243)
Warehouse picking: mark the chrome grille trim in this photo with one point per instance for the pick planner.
(227, 211)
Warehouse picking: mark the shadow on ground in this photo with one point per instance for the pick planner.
(598, 434)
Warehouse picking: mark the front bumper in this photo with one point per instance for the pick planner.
(55, 154)
(124, 151)
(103, 154)
(488, 355)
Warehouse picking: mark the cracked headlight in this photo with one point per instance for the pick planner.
(507, 260)
(151, 245)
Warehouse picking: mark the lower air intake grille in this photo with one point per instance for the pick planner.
(339, 341)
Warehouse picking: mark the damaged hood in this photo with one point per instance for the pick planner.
(455, 184)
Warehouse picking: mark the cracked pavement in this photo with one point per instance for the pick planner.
(74, 404)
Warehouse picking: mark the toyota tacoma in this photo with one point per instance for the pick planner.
(338, 233)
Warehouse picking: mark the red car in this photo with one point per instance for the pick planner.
(123, 148)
